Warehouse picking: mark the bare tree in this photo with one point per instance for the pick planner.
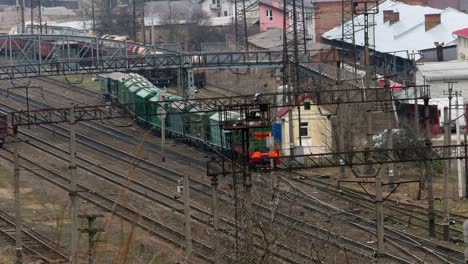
(114, 17)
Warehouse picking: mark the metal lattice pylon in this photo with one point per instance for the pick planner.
(294, 42)
(350, 10)
(241, 25)
(36, 16)
(138, 8)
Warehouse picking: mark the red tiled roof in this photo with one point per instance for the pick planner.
(461, 32)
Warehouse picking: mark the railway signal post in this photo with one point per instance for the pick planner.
(188, 224)
(73, 191)
(92, 232)
(16, 183)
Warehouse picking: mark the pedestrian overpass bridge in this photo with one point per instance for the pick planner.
(35, 55)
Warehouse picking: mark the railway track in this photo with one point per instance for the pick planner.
(34, 244)
(56, 128)
(151, 225)
(440, 252)
(109, 130)
(400, 212)
(203, 188)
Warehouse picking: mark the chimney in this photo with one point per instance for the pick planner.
(440, 50)
(386, 15)
(394, 17)
(431, 20)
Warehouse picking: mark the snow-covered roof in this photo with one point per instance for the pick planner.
(409, 32)
(447, 70)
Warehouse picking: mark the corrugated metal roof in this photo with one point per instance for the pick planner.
(449, 70)
(409, 32)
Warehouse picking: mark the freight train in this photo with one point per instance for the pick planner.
(184, 122)
(51, 46)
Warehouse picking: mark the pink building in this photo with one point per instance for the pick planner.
(270, 15)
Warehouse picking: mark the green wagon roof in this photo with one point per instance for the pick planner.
(147, 92)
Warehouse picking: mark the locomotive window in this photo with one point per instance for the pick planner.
(307, 106)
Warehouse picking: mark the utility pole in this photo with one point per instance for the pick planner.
(369, 168)
(39, 6)
(214, 184)
(466, 163)
(73, 191)
(446, 224)
(461, 193)
(162, 112)
(465, 239)
(20, 9)
(16, 183)
(188, 225)
(93, 16)
(430, 190)
(92, 232)
(416, 112)
(379, 216)
(31, 9)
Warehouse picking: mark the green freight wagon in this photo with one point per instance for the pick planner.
(199, 124)
(112, 84)
(176, 119)
(217, 136)
(133, 87)
(142, 110)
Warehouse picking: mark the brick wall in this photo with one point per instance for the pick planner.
(327, 17)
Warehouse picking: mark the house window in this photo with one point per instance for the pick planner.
(269, 14)
(307, 106)
(304, 129)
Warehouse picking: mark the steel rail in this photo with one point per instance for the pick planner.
(125, 158)
(46, 252)
(437, 249)
(121, 210)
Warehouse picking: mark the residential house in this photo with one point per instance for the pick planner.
(261, 15)
(270, 15)
(462, 43)
(402, 31)
(437, 74)
(217, 8)
(311, 134)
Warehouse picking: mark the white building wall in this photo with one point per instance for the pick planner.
(217, 8)
(462, 48)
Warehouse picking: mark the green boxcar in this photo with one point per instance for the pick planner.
(217, 136)
(133, 89)
(111, 84)
(142, 110)
(176, 120)
(199, 124)
(103, 82)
